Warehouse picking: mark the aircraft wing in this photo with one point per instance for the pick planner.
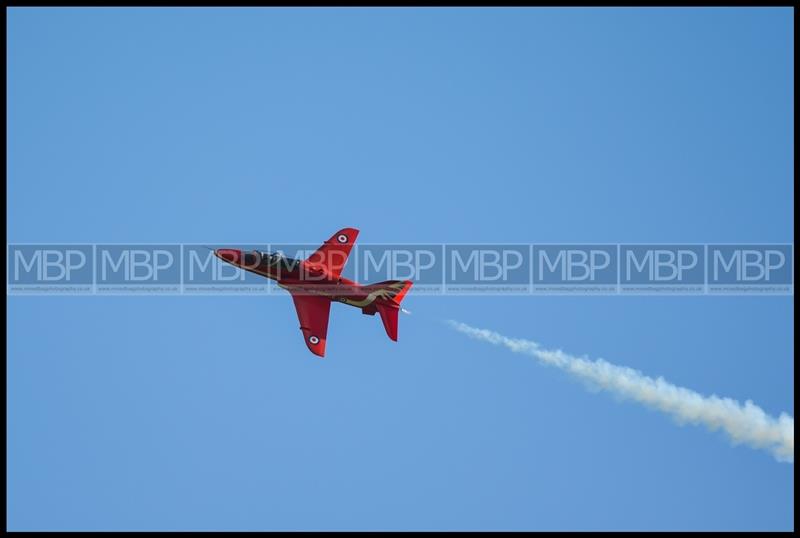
(313, 312)
(333, 253)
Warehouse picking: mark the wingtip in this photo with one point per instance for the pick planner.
(314, 343)
(318, 350)
(345, 236)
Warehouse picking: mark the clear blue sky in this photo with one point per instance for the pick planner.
(478, 125)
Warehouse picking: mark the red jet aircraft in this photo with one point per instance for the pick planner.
(317, 281)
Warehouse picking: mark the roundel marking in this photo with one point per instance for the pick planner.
(342, 238)
(313, 339)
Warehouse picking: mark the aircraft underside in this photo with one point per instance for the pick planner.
(316, 282)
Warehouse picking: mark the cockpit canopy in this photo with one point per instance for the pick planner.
(258, 257)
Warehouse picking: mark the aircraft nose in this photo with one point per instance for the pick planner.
(230, 255)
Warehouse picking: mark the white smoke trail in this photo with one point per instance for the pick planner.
(747, 423)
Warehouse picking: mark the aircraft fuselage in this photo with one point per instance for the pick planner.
(302, 277)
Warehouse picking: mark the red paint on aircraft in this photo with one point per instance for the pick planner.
(315, 282)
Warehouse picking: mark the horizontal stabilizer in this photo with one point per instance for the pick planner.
(392, 289)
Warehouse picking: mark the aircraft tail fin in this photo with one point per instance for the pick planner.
(389, 318)
(393, 292)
